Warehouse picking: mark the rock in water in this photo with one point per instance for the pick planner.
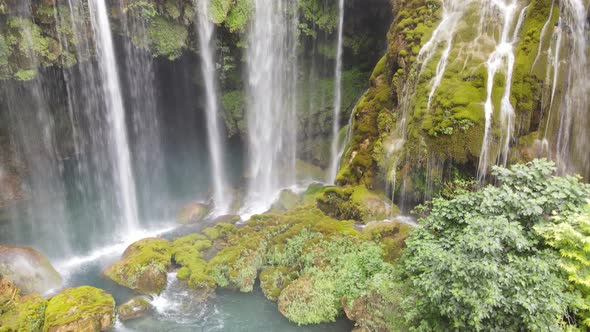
(193, 213)
(134, 308)
(28, 269)
(80, 309)
(144, 266)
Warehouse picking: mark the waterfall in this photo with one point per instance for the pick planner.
(221, 196)
(501, 58)
(272, 126)
(573, 135)
(336, 152)
(139, 86)
(33, 138)
(112, 91)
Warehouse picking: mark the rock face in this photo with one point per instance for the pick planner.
(80, 309)
(143, 266)
(28, 269)
(134, 308)
(193, 213)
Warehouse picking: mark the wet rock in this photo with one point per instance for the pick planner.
(143, 266)
(28, 269)
(193, 213)
(135, 308)
(80, 309)
(286, 201)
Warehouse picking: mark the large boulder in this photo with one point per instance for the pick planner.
(135, 308)
(193, 213)
(28, 269)
(143, 266)
(80, 309)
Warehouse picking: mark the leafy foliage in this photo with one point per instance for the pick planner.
(571, 237)
(477, 263)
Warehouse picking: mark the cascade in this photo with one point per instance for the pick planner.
(453, 11)
(542, 36)
(272, 126)
(336, 151)
(112, 91)
(573, 135)
(221, 196)
(502, 58)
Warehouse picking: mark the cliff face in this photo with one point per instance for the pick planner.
(422, 123)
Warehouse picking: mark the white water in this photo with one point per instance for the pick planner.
(453, 11)
(572, 138)
(73, 264)
(502, 58)
(335, 149)
(553, 63)
(221, 196)
(272, 125)
(543, 31)
(116, 113)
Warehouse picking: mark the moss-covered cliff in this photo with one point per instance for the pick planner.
(415, 131)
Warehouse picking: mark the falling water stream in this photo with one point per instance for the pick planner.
(272, 127)
(112, 90)
(221, 196)
(335, 150)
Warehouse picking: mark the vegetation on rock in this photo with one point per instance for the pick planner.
(143, 266)
(80, 309)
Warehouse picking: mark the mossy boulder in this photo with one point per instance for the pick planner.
(187, 253)
(143, 266)
(20, 313)
(274, 279)
(26, 313)
(355, 203)
(309, 300)
(135, 308)
(219, 231)
(28, 269)
(193, 213)
(391, 236)
(80, 309)
(286, 201)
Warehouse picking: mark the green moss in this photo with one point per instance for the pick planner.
(239, 15)
(380, 68)
(218, 231)
(144, 266)
(187, 252)
(218, 10)
(274, 279)
(167, 38)
(77, 304)
(310, 300)
(233, 104)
